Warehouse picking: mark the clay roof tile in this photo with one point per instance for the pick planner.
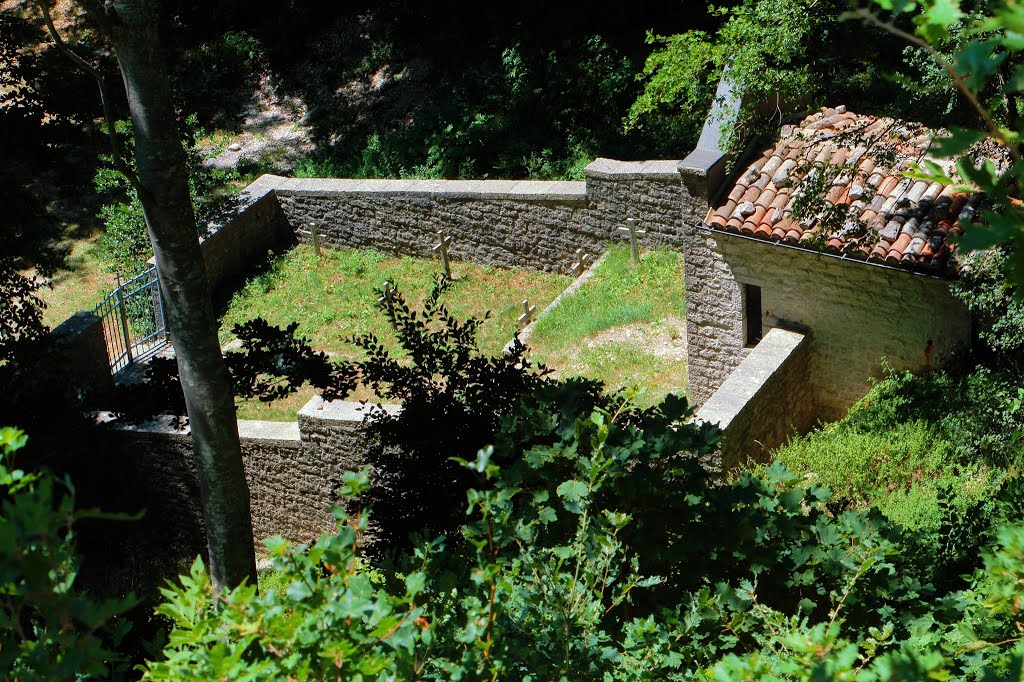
(891, 217)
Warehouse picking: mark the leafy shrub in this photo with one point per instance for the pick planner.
(219, 76)
(554, 584)
(125, 245)
(452, 396)
(486, 124)
(595, 544)
(21, 311)
(930, 451)
(998, 313)
(49, 630)
(855, 461)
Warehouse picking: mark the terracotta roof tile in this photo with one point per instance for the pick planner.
(856, 161)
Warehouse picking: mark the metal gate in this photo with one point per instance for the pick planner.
(133, 319)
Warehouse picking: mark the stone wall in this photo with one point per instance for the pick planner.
(714, 315)
(79, 356)
(241, 235)
(764, 401)
(862, 317)
(293, 469)
(531, 224)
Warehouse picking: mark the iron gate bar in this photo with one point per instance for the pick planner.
(133, 309)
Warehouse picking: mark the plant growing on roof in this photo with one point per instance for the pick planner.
(977, 68)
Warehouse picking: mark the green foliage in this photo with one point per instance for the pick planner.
(552, 581)
(451, 394)
(218, 75)
(125, 245)
(985, 69)
(21, 311)
(49, 629)
(998, 315)
(930, 451)
(778, 56)
(487, 124)
(326, 620)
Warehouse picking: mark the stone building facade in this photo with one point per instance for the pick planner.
(864, 274)
(859, 318)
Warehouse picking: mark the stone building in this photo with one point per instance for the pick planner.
(824, 235)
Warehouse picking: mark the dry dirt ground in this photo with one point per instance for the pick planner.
(665, 339)
(272, 135)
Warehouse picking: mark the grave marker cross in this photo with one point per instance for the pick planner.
(582, 262)
(631, 228)
(442, 248)
(528, 312)
(387, 298)
(314, 232)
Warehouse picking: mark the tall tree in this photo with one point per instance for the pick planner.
(160, 177)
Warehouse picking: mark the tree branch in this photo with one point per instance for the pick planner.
(108, 111)
(993, 128)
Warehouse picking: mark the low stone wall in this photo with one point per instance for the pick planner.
(241, 235)
(531, 224)
(293, 470)
(764, 401)
(79, 356)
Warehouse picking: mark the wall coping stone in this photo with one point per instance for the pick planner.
(277, 434)
(272, 433)
(700, 162)
(341, 410)
(746, 380)
(611, 169)
(76, 324)
(518, 190)
(252, 194)
(166, 424)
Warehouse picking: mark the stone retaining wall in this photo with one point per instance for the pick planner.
(763, 401)
(524, 223)
(242, 234)
(293, 469)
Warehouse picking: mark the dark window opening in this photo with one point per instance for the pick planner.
(752, 313)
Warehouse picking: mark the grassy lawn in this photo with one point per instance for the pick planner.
(625, 326)
(332, 299)
(79, 286)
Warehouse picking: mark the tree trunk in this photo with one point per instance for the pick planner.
(161, 168)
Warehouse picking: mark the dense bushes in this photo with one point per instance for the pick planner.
(584, 539)
(930, 451)
(933, 450)
(125, 245)
(49, 628)
(517, 110)
(550, 580)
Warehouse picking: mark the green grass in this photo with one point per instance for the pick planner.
(80, 285)
(925, 449)
(332, 298)
(624, 326)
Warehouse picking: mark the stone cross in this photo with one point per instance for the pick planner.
(528, 313)
(633, 233)
(582, 262)
(387, 298)
(314, 233)
(442, 248)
